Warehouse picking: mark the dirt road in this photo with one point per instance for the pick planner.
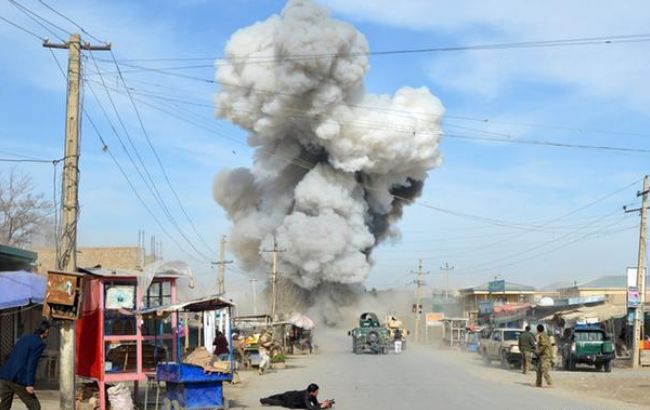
(419, 378)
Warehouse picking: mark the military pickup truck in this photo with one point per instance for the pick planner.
(370, 336)
(503, 345)
(586, 344)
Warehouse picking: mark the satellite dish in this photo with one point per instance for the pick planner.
(546, 301)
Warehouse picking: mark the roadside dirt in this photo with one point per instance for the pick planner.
(622, 384)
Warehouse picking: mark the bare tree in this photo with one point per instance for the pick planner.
(23, 214)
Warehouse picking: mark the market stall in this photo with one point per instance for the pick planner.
(114, 343)
(247, 331)
(300, 334)
(195, 381)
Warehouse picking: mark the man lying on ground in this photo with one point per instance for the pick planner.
(298, 399)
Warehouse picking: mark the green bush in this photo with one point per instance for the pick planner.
(279, 358)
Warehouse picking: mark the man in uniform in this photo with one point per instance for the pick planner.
(264, 344)
(544, 356)
(526, 347)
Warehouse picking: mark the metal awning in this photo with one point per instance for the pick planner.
(21, 288)
(599, 313)
(203, 304)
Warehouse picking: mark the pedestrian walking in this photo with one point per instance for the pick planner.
(221, 348)
(526, 347)
(18, 374)
(298, 399)
(544, 357)
(398, 341)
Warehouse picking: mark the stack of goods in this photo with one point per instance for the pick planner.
(203, 358)
(120, 397)
(87, 397)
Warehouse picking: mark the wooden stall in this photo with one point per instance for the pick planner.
(115, 343)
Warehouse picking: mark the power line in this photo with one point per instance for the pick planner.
(41, 21)
(155, 152)
(307, 165)
(234, 59)
(37, 161)
(549, 143)
(509, 138)
(70, 21)
(151, 185)
(19, 27)
(105, 147)
(152, 189)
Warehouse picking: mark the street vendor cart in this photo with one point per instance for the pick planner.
(192, 384)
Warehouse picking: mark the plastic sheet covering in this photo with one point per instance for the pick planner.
(301, 321)
(175, 268)
(21, 288)
(120, 397)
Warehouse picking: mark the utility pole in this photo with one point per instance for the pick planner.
(418, 296)
(446, 268)
(67, 251)
(253, 283)
(222, 265)
(274, 277)
(640, 274)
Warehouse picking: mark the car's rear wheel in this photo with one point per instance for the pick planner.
(572, 364)
(607, 366)
(504, 361)
(599, 366)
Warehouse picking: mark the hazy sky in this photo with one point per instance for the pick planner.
(529, 213)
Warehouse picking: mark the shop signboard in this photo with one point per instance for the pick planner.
(497, 286)
(633, 297)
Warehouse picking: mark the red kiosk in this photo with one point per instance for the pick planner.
(114, 344)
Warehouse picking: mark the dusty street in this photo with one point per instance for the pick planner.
(419, 378)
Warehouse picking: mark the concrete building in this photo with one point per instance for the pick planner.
(612, 287)
(118, 257)
(513, 293)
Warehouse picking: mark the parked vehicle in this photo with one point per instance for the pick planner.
(503, 345)
(587, 344)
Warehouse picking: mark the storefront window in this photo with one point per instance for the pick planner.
(121, 357)
(119, 304)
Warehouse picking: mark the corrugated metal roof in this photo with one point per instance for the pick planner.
(510, 287)
(123, 273)
(197, 305)
(605, 282)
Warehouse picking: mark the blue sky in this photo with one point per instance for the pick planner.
(591, 94)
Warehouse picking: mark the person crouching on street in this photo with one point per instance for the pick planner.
(526, 347)
(18, 374)
(298, 399)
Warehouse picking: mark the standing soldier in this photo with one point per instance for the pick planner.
(264, 344)
(544, 356)
(526, 347)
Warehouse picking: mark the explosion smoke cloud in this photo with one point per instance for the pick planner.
(334, 165)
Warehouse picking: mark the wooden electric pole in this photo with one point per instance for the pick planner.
(639, 313)
(253, 283)
(446, 268)
(274, 277)
(222, 265)
(418, 297)
(66, 254)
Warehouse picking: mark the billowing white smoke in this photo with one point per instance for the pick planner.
(333, 164)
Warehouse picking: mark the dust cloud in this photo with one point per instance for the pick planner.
(334, 166)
